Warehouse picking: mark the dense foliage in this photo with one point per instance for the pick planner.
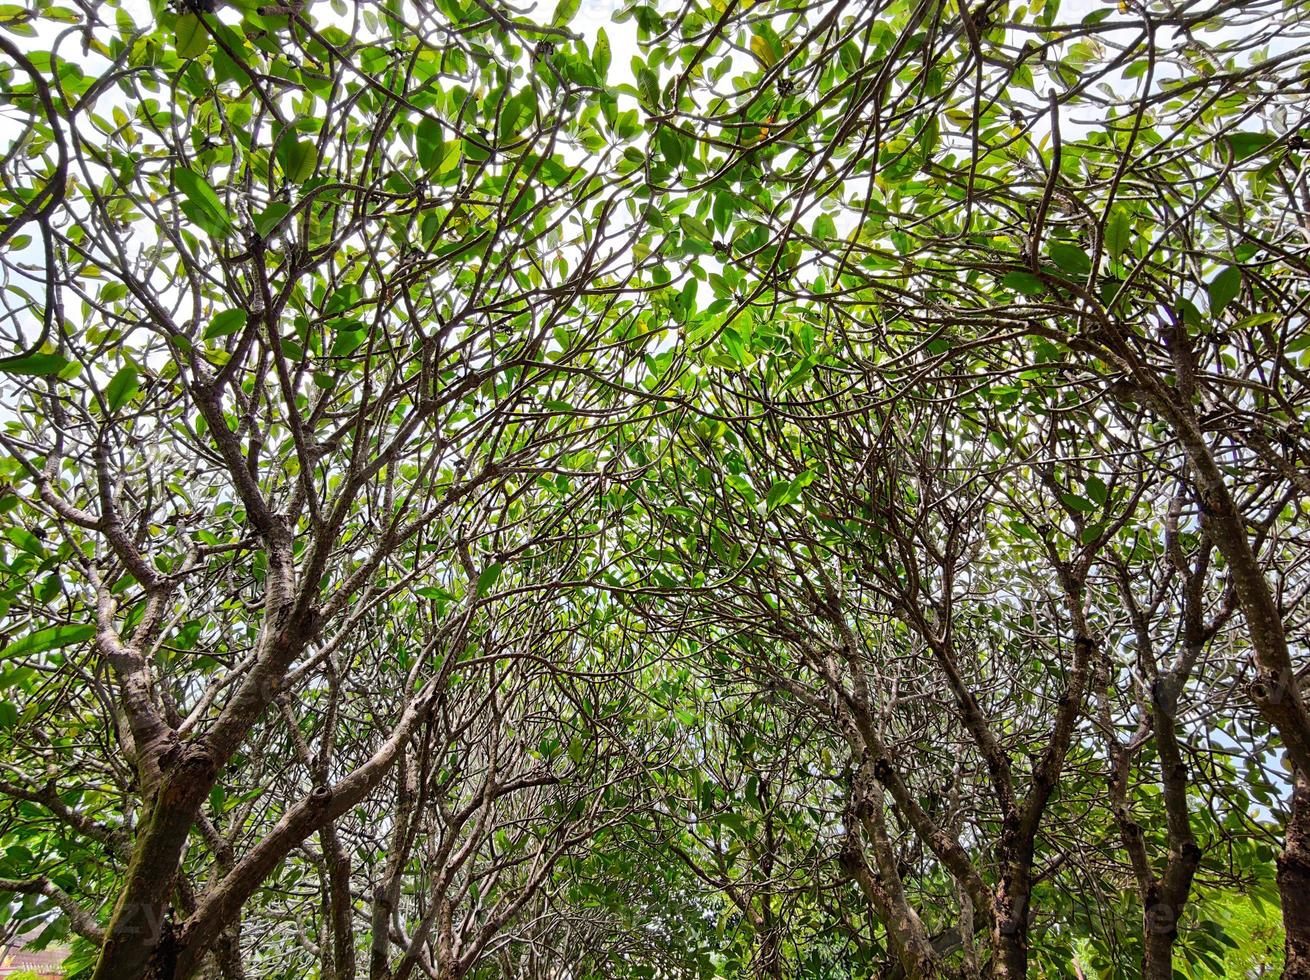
(827, 498)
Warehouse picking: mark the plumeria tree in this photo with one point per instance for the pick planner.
(823, 496)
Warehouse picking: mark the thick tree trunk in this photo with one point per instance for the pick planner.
(339, 904)
(229, 953)
(139, 935)
(1294, 883)
(224, 961)
(1159, 933)
(1010, 935)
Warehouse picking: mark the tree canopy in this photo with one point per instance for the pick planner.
(714, 488)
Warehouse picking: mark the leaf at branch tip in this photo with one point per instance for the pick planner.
(122, 386)
(268, 220)
(299, 159)
(764, 51)
(50, 638)
(202, 204)
(430, 138)
(488, 579)
(601, 54)
(1117, 231)
(229, 321)
(40, 365)
(1223, 289)
(1074, 502)
(1244, 145)
(191, 40)
(788, 491)
(1024, 282)
(565, 12)
(1071, 259)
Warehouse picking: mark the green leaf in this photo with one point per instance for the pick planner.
(647, 84)
(565, 12)
(764, 50)
(205, 207)
(1022, 530)
(450, 158)
(26, 540)
(672, 146)
(63, 15)
(489, 577)
(1260, 319)
(784, 492)
(454, 250)
(122, 386)
(191, 39)
(267, 221)
(346, 342)
(41, 365)
(1075, 502)
(430, 136)
(1117, 231)
(1223, 289)
(229, 321)
(516, 115)
(1071, 259)
(50, 638)
(1244, 145)
(600, 53)
(299, 159)
(1024, 282)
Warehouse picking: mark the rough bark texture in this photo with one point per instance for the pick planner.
(134, 942)
(340, 906)
(1294, 883)
(1158, 957)
(1010, 928)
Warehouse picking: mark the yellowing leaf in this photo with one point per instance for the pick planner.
(764, 51)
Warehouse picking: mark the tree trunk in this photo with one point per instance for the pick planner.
(139, 940)
(1294, 883)
(768, 963)
(1011, 961)
(340, 908)
(1010, 935)
(1163, 901)
(1159, 933)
